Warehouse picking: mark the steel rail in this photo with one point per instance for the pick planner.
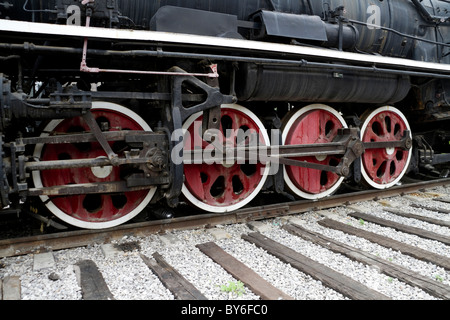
(80, 238)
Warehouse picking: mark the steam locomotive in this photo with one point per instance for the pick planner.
(108, 106)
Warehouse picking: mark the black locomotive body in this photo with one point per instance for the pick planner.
(108, 106)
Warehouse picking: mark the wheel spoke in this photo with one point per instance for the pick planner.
(382, 168)
(92, 211)
(313, 124)
(222, 187)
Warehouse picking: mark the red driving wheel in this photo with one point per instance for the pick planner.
(91, 211)
(224, 186)
(383, 168)
(309, 125)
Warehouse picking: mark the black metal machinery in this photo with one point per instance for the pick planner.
(103, 111)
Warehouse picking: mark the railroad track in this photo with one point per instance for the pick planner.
(279, 235)
(72, 239)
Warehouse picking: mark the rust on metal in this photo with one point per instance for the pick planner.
(79, 238)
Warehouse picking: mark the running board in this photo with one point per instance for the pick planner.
(220, 43)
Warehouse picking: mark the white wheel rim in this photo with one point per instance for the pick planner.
(289, 183)
(80, 223)
(204, 206)
(364, 173)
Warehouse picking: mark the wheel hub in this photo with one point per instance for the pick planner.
(224, 186)
(311, 125)
(91, 211)
(384, 167)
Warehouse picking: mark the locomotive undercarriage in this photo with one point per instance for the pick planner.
(130, 168)
(97, 124)
(145, 155)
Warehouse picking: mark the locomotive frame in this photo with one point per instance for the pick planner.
(255, 67)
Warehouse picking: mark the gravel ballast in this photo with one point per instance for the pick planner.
(129, 278)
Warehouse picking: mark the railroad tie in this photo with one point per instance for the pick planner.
(181, 288)
(401, 213)
(401, 227)
(329, 277)
(421, 206)
(412, 278)
(93, 286)
(404, 248)
(243, 273)
(445, 200)
(10, 288)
